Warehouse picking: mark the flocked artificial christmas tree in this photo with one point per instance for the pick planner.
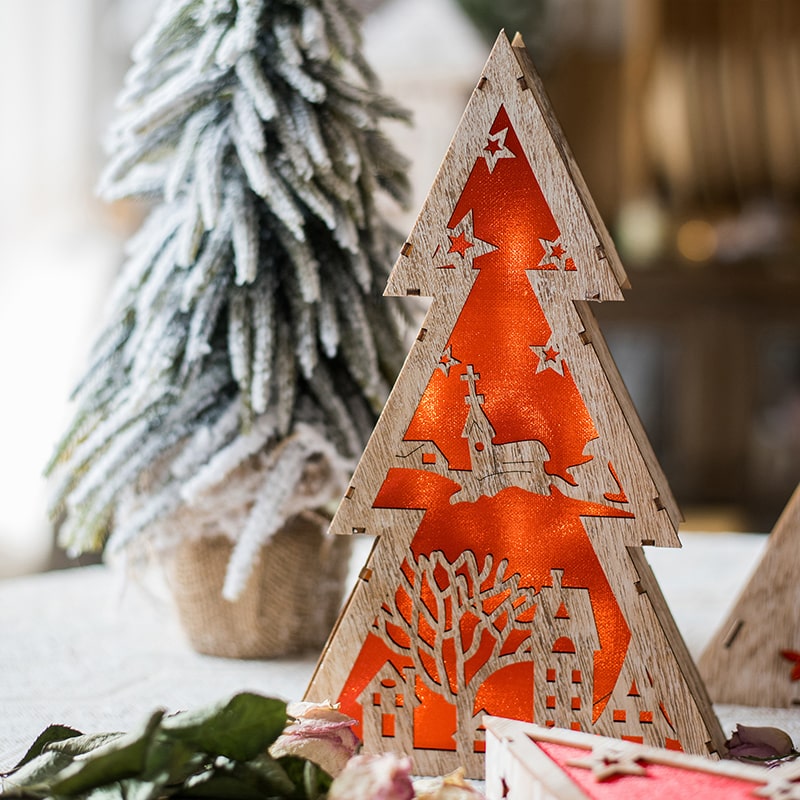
(244, 357)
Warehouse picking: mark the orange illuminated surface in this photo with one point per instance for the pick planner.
(478, 569)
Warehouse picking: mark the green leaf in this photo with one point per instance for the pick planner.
(312, 781)
(315, 780)
(239, 728)
(34, 778)
(262, 777)
(168, 763)
(83, 744)
(122, 757)
(221, 787)
(220, 752)
(53, 733)
(112, 791)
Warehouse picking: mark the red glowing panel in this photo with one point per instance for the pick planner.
(457, 624)
(499, 322)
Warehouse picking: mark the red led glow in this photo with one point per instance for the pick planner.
(489, 367)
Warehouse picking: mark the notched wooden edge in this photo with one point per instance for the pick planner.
(534, 83)
(733, 631)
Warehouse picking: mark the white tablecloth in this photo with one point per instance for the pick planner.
(86, 648)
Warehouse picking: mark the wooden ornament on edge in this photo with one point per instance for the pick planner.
(508, 481)
(754, 657)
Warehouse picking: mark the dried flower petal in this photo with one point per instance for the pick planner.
(319, 733)
(450, 787)
(384, 777)
(761, 743)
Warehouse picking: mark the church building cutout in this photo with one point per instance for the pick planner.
(508, 481)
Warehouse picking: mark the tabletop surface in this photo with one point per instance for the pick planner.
(98, 649)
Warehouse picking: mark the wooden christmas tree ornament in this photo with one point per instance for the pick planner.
(754, 657)
(508, 480)
(530, 762)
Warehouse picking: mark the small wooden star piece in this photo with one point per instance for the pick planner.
(782, 783)
(606, 761)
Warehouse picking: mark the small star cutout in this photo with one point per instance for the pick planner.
(447, 362)
(461, 240)
(553, 258)
(459, 244)
(496, 149)
(606, 761)
(794, 657)
(493, 146)
(549, 358)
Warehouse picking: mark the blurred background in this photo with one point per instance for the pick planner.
(684, 116)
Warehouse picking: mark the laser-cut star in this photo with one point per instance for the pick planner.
(458, 247)
(459, 244)
(549, 358)
(553, 257)
(496, 149)
(606, 761)
(446, 361)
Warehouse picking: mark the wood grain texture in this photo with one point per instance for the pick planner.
(518, 768)
(744, 663)
(509, 480)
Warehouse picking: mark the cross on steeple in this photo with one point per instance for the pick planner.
(473, 398)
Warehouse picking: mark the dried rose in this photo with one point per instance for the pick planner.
(319, 733)
(753, 743)
(451, 787)
(384, 777)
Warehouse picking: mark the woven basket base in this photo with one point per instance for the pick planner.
(289, 605)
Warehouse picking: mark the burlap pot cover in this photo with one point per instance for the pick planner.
(289, 605)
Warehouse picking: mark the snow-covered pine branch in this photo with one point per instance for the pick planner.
(252, 127)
